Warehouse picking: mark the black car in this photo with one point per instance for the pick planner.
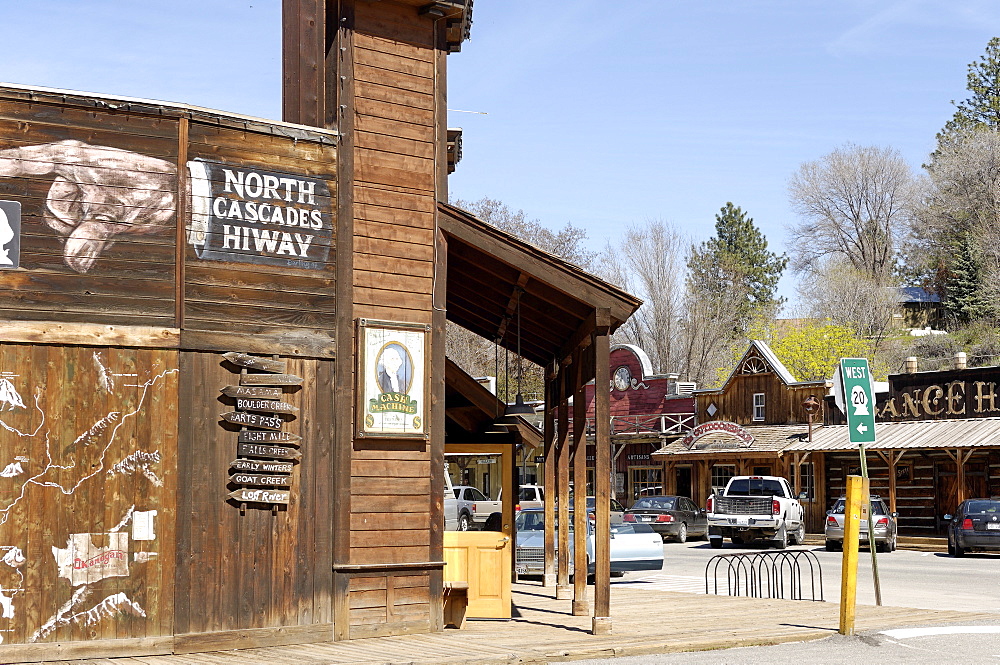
(974, 526)
(673, 516)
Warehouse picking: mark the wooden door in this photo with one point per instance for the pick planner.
(483, 559)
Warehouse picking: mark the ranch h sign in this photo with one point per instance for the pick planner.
(742, 436)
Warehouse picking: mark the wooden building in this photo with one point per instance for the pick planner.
(224, 396)
(647, 410)
(937, 443)
(744, 427)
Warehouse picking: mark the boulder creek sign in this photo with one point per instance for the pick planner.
(254, 216)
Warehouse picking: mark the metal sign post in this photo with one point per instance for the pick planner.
(859, 401)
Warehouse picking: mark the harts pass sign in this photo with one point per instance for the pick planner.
(246, 495)
(258, 450)
(261, 466)
(284, 438)
(265, 405)
(270, 380)
(253, 392)
(259, 479)
(253, 420)
(254, 362)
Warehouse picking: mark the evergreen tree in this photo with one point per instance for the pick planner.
(982, 109)
(736, 261)
(964, 298)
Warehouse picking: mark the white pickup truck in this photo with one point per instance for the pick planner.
(478, 505)
(756, 507)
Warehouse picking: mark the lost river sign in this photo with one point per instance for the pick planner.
(254, 216)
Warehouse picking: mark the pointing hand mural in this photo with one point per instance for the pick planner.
(99, 193)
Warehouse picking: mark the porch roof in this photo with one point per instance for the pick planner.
(966, 433)
(488, 270)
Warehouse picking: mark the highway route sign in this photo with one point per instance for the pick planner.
(859, 398)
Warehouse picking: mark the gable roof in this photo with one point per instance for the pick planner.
(759, 349)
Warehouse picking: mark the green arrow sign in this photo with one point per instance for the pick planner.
(859, 398)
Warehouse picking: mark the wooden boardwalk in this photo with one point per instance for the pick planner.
(543, 631)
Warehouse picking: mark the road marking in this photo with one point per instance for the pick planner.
(905, 633)
(679, 583)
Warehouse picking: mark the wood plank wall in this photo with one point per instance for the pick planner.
(783, 404)
(88, 446)
(256, 570)
(394, 202)
(136, 278)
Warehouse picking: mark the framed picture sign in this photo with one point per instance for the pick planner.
(392, 379)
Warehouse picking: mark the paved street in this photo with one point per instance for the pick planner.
(927, 580)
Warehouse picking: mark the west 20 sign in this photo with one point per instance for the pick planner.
(250, 215)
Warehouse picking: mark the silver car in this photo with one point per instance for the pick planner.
(633, 546)
(884, 523)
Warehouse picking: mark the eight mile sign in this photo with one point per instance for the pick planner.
(859, 399)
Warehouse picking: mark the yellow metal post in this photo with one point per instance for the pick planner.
(857, 496)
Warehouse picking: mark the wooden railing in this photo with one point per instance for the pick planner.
(652, 423)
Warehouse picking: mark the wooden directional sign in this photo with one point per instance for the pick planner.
(253, 420)
(245, 495)
(255, 362)
(270, 380)
(260, 479)
(284, 438)
(261, 466)
(258, 450)
(265, 405)
(253, 392)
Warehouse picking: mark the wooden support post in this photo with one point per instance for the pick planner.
(959, 476)
(580, 605)
(549, 479)
(563, 589)
(669, 478)
(797, 472)
(602, 476)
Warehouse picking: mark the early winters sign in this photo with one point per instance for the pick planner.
(255, 216)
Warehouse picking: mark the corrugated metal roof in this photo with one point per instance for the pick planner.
(968, 433)
(773, 438)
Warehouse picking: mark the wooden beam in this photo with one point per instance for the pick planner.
(580, 605)
(549, 481)
(89, 334)
(343, 423)
(602, 477)
(562, 485)
(303, 70)
(510, 312)
(439, 372)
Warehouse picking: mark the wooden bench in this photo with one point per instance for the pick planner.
(456, 600)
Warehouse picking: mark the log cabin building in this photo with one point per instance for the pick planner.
(744, 427)
(224, 397)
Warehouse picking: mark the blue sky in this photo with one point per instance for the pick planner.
(600, 114)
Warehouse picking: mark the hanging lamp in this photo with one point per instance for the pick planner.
(518, 408)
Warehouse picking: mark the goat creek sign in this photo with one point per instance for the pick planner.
(742, 436)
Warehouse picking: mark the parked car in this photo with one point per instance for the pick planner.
(480, 506)
(884, 523)
(633, 546)
(670, 516)
(617, 510)
(974, 526)
(528, 496)
(756, 507)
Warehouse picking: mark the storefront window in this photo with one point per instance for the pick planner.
(721, 473)
(645, 481)
(807, 480)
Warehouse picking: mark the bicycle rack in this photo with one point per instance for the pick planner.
(766, 574)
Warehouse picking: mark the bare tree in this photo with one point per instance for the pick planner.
(650, 261)
(855, 203)
(838, 292)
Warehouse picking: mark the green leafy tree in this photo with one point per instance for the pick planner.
(736, 260)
